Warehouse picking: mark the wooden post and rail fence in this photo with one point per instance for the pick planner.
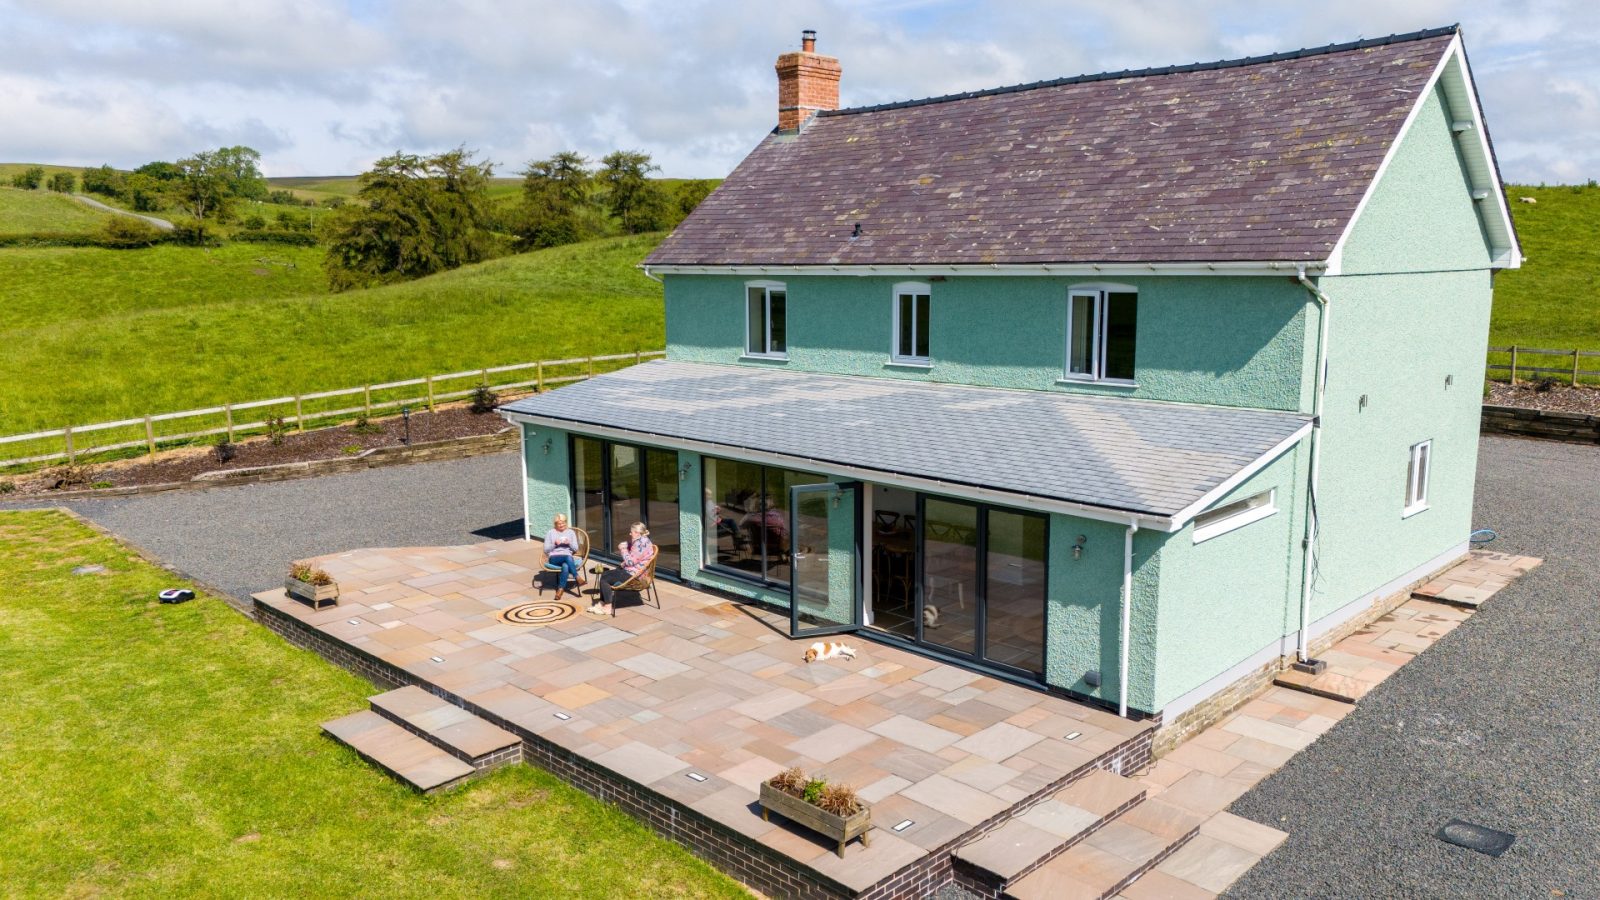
(74, 442)
(1570, 370)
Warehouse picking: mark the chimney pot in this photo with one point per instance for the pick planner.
(808, 83)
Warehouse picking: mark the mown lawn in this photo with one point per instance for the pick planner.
(93, 335)
(1550, 301)
(166, 751)
(29, 212)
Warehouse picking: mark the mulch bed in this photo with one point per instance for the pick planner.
(1547, 396)
(324, 443)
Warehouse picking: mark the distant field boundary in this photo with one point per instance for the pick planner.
(1518, 362)
(147, 433)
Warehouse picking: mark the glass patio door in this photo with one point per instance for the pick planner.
(615, 485)
(825, 556)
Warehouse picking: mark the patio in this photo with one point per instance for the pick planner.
(678, 714)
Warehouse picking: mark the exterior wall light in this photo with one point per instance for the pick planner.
(548, 443)
(1077, 546)
(683, 473)
(1362, 403)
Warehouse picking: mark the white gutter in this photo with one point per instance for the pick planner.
(646, 269)
(1019, 269)
(1302, 648)
(1127, 617)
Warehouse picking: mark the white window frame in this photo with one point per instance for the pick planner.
(1260, 507)
(916, 289)
(1099, 293)
(766, 287)
(1417, 478)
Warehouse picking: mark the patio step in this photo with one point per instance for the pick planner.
(461, 734)
(1330, 685)
(400, 753)
(1112, 857)
(1047, 829)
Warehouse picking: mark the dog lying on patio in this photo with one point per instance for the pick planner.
(826, 650)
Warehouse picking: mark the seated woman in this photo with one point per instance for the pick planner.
(635, 552)
(560, 550)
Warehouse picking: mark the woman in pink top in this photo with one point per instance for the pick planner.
(636, 553)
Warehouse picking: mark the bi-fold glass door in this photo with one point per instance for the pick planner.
(615, 485)
(825, 580)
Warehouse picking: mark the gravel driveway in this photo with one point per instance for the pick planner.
(1497, 724)
(240, 539)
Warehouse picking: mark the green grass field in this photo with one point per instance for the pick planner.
(174, 751)
(1550, 301)
(94, 335)
(30, 212)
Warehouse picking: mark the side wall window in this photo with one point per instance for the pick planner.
(912, 304)
(1417, 471)
(765, 307)
(1102, 329)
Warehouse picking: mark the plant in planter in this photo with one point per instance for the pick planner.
(311, 585)
(832, 810)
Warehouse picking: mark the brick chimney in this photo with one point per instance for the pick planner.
(807, 82)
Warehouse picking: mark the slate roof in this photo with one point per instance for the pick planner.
(1141, 456)
(1256, 160)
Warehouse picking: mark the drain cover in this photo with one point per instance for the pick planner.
(1476, 837)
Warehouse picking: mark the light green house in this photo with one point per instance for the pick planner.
(1060, 382)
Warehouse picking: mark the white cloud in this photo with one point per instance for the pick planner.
(324, 88)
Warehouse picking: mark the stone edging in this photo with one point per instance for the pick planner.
(1576, 428)
(377, 457)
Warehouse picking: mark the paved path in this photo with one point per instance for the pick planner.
(240, 539)
(162, 224)
(1496, 724)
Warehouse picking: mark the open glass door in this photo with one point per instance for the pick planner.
(825, 556)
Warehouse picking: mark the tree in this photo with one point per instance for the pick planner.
(554, 192)
(29, 179)
(630, 195)
(202, 185)
(241, 166)
(104, 181)
(419, 215)
(64, 182)
(160, 170)
(147, 193)
(692, 193)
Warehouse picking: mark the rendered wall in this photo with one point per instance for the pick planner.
(549, 487)
(1395, 338)
(1084, 616)
(1229, 341)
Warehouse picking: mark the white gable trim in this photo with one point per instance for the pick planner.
(1222, 490)
(1461, 101)
(926, 271)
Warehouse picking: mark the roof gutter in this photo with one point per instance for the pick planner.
(1278, 268)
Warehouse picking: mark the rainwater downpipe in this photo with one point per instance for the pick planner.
(1127, 617)
(1303, 643)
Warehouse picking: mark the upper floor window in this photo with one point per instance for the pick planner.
(1102, 324)
(1417, 478)
(764, 319)
(911, 305)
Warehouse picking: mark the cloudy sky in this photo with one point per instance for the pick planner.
(326, 87)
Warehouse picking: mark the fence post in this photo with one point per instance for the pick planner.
(591, 367)
(366, 399)
(638, 356)
(1575, 354)
(299, 416)
(430, 392)
(72, 456)
(227, 409)
(1513, 363)
(538, 377)
(150, 437)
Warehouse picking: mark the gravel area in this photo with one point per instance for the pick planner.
(1549, 397)
(241, 539)
(1497, 724)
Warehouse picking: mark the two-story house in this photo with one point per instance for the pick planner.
(1128, 386)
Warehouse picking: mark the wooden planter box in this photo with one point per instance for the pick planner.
(315, 594)
(838, 828)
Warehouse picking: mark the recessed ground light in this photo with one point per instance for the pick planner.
(903, 824)
(353, 621)
(1075, 735)
(696, 776)
(562, 716)
(437, 658)
(1475, 837)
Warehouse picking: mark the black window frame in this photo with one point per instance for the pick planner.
(706, 563)
(600, 545)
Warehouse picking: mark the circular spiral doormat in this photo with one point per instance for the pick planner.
(539, 612)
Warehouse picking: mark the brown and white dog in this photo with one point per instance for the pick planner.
(825, 650)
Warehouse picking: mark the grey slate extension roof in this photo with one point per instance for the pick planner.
(1139, 456)
(1256, 160)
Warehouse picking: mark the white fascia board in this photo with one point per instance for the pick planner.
(1509, 256)
(876, 476)
(1217, 493)
(1453, 58)
(1278, 268)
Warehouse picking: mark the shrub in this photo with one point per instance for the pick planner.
(72, 475)
(839, 799)
(277, 236)
(364, 426)
(1544, 384)
(253, 222)
(28, 179)
(8, 487)
(304, 572)
(791, 781)
(224, 450)
(105, 181)
(193, 233)
(100, 485)
(276, 429)
(126, 231)
(63, 182)
(813, 790)
(350, 449)
(483, 399)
